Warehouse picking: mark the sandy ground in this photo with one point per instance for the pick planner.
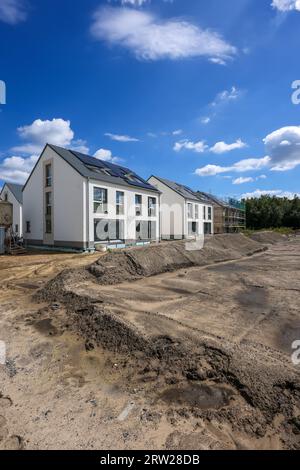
(60, 391)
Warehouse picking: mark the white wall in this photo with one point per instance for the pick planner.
(68, 207)
(172, 211)
(129, 216)
(17, 209)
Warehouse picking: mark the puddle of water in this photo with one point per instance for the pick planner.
(45, 326)
(201, 396)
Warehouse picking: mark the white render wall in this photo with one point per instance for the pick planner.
(174, 212)
(17, 209)
(73, 205)
(129, 216)
(68, 201)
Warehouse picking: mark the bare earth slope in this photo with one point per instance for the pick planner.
(230, 324)
(191, 351)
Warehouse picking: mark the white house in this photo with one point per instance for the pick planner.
(184, 213)
(13, 193)
(72, 200)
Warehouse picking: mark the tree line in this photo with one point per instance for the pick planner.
(272, 212)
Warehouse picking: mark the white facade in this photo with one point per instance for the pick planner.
(7, 195)
(64, 212)
(181, 217)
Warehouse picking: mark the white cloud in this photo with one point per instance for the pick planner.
(283, 146)
(36, 135)
(105, 155)
(243, 180)
(226, 95)
(17, 169)
(121, 138)
(80, 146)
(198, 147)
(136, 3)
(205, 120)
(12, 11)
(152, 38)
(177, 132)
(286, 5)
(222, 147)
(249, 164)
(221, 100)
(271, 192)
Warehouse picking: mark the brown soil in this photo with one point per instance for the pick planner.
(193, 350)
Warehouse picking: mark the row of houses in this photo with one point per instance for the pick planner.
(72, 200)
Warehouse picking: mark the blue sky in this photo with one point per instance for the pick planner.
(196, 91)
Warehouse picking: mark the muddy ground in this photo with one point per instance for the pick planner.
(192, 358)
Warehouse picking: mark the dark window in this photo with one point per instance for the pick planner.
(48, 204)
(6, 197)
(48, 172)
(108, 229)
(207, 228)
(100, 201)
(28, 227)
(17, 228)
(120, 203)
(48, 226)
(192, 226)
(151, 230)
(138, 205)
(209, 213)
(151, 206)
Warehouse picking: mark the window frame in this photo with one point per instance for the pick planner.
(152, 208)
(101, 202)
(138, 205)
(190, 211)
(48, 175)
(121, 204)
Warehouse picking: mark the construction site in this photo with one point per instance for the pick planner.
(159, 347)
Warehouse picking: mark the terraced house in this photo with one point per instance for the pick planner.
(72, 200)
(184, 213)
(13, 193)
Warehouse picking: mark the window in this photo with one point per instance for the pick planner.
(28, 227)
(48, 226)
(100, 201)
(207, 228)
(209, 213)
(151, 206)
(151, 230)
(17, 228)
(192, 226)
(48, 204)
(6, 197)
(138, 205)
(120, 203)
(108, 229)
(196, 211)
(48, 173)
(48, 212)
(138, 230)
(204, 212)
(190, 211)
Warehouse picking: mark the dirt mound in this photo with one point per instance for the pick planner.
(135, 263)
(268, 237)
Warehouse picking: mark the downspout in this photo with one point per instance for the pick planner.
(88, 213)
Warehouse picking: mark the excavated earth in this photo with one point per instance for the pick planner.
(206, 334)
